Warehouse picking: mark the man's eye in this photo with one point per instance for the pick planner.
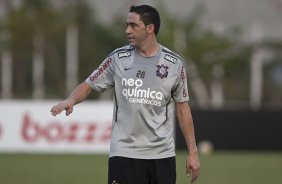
(131, 24)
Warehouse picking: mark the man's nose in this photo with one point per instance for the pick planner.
(127, 30)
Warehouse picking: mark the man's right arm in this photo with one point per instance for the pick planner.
(79, 94)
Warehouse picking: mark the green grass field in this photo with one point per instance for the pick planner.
(218, 168)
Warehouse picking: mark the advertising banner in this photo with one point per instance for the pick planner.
(28, 126)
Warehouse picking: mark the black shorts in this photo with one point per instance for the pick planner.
(141, 171)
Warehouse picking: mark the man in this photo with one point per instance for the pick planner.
(149, 84)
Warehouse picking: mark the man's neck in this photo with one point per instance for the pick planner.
(149, 49)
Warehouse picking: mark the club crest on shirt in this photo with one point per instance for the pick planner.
(162, 71)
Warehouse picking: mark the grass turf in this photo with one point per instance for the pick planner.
(217, 168)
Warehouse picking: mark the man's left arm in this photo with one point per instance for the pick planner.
(185, 120)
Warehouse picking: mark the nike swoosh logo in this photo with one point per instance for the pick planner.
(125, 69)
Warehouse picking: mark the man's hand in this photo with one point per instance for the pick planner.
(193, 166)
(77, 95)
(66, 105)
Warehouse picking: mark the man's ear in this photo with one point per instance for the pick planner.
(150, 28)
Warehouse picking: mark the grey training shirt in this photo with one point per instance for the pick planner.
(145, 91)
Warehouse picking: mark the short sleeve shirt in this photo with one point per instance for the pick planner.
(145, 92)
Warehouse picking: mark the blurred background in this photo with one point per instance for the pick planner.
(232, 51)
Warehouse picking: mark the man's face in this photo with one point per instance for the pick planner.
(135, 30)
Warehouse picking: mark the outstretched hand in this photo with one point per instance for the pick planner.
(193, 167)
(66, 105)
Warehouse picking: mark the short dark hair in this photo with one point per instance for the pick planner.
(148, 15)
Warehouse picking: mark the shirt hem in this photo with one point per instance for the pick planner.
(141, 157)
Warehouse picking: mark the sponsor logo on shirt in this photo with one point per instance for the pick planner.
(182, 74)
(124, 54)
(125, 69)
(101, 70)
(184, 93)
(170, 58)
(1, 131)
(134, 93)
